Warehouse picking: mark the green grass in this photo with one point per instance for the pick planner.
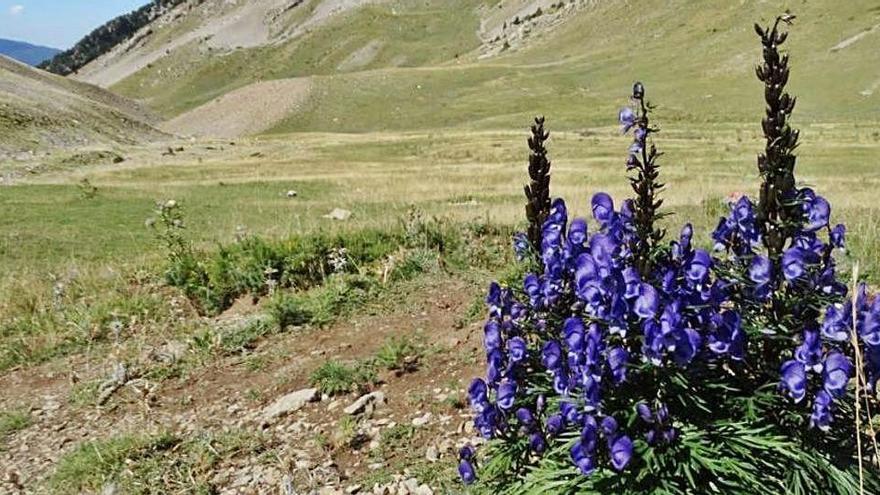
(156, 464)
(13, 421)
(335, 377)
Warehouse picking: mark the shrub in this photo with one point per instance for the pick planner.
(627, 364)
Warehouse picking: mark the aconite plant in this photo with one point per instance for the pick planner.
(625, 363)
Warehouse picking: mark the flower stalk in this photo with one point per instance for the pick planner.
(778, 209)
(538, 190)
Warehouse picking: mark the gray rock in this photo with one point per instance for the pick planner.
(422, 420)
(338, 214)
(365, 402)
(432, 454)
(289, 403)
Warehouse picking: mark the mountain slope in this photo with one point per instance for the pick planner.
(26, 52)
(39, 110)
(420, 64)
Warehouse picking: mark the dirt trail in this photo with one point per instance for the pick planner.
(229, 394)
(249, 110)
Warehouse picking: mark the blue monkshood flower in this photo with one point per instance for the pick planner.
(609, 426)
(603, 208)
(617, 363)
(570, 412)
(870, 324)
(836, 373)
(467, 452)
(821, 416)
(627, 118)
(561, 383)
(584, 461)
(647, 301)
(729, 337)
(558, 212)
(554, 425)
(577, 233)
(506, 394)
(592, 392)
(621, 452)
(794, 379)
(837, 323)
(493, 300)
(872, 366)
(466, 472)
(743, 213)
(521, 246)
(810, 351)
(838, 236)
(537, 443)
(518, 311)
(590, 435)
(492, 332)
(632, 281)
(639, 136)
(574, 332)
(516, 349)
(793, 263)
(551, 355)
(525, 417)
(645, 412)
(682, 247)
(687, 346)
(698, 267)
(817, 210)
(760, 270)
(532, 288)
(478, 395)
(487, 422)
(494, 366)
(636, 147)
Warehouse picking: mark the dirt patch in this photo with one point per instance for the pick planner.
(249, 110)
(316, 446)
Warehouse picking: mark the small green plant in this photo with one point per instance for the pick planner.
(13, 421)
(285, 311)
(398, 354)
(87, 190)
(334, 377)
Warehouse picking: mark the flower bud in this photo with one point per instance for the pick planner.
(638, 91)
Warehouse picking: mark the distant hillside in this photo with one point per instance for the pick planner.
(26, 52)
(41, 111)
(366, 65)
(106, 37)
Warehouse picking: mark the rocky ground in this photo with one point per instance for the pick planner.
(398, 436)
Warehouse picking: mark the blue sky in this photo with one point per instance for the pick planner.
(58, 23)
